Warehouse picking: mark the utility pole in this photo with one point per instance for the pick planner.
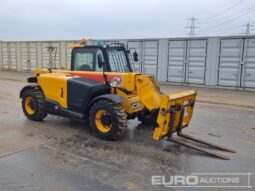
(192, 26)
(248, 29)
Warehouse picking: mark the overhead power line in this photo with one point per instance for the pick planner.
(248, 11)
(229, 28)
(224, 10)
(247, 31)
(229, 16)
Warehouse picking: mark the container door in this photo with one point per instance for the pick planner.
(176, 61)
(248, 70)
(1, 57)
(9, 56)
(229, 72)
(150, 58)
(196, 61)
(28, 56)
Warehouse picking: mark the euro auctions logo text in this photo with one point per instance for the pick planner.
(174, 180)
(204, 180)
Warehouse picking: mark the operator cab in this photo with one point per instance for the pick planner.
(111, 58)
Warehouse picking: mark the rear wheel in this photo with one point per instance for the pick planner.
(108, 120)
(33, 104)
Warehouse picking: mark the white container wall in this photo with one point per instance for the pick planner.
(230, 62)
(9, 56)
(1, 58)
(149, 58)
(176, 61)
(208, 61)
(237, 63)
(136, 45)
(248, 70)
(68, 51)
(28, 56)
(187, 61)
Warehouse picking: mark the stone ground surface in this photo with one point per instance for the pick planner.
(60, 154)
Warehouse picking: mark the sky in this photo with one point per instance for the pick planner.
(121, 19)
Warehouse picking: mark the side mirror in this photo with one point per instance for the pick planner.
(100, 61)
(135, 56)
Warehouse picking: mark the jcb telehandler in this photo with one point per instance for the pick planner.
(102, 88)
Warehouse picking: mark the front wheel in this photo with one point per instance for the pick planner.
(33, 104)
(108, 120)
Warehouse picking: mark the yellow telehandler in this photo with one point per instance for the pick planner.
(103, 89)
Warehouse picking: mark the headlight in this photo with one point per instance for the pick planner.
(136, 105)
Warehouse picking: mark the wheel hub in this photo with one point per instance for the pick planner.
(106, 120)
(30, 105)
(103, 121)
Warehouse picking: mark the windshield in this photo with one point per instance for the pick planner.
(85, 59)
(118, 60)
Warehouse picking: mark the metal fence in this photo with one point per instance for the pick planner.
(210, 61)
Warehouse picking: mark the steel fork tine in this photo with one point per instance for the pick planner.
(198, 148)
(205, 142)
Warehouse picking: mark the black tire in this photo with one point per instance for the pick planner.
(149, 119)
(39, 106)
(117, 116)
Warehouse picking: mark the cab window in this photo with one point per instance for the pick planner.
(86, 59)
(118, 60)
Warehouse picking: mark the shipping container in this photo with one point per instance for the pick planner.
(204, 61)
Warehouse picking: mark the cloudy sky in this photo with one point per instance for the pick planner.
(103, 19)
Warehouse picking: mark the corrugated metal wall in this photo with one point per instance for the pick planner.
(187, 61)
(210, 61)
